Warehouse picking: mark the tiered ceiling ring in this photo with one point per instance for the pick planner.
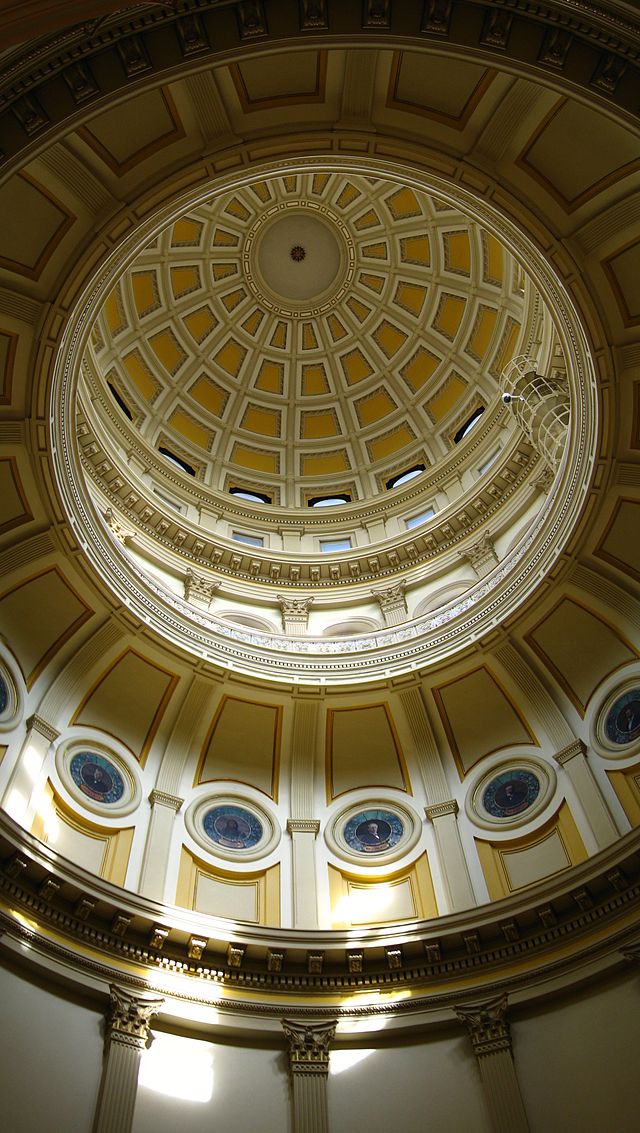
(412, 298)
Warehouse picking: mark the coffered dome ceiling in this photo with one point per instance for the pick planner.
(312, 333)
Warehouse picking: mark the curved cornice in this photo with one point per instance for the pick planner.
(95, 934)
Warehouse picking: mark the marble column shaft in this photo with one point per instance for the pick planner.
(573, 760)
(491, 1039)
(303, 833)
(309, 1065)
(164, 808)
(127, 1034)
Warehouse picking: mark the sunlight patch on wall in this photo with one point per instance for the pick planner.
(178, 1068)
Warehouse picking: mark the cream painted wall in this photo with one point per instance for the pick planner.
(249, 1088)
(578, 1063)
(432, 1086)
(51, 1060)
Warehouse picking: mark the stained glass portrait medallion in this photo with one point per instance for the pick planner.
(232, 827)
(97, 777)
(511, 792)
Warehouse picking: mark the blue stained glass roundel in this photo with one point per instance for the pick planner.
(373, 831)
(232, 827)
(511, 793)
(97, 777)
(4, 695)
(622, 724)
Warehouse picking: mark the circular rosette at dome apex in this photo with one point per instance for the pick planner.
(97, 777)
(373, 831)
(511, 793)
(232, 827)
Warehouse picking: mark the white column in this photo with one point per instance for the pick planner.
(127, 1034)
(393, 603)
(489, 1033)
(309, 1065)
(23, 786)
(573, 760)
(164, 808)
(442, 810)
(303, 833)
(453, 862)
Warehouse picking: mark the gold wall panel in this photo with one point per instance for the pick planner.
(128, 700)
(35, 222)
(262, 84)
(402, 896)
(102, 850)
(626, 784)
(620, 544)
(251, 897)
(126, 135)
(447, 91)
(38, 616)
(363, 750)
(623, 269)
(512, 865)
(14, 507)
(243, 744)
(572, 172)
(579, 648)
(479, 717)
(8, 346)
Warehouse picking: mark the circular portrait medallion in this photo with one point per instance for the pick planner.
(9, 700)
(232, 827)
(373, 831)
(227, 826)
(97, 777)
(511, 792)
(622, 721)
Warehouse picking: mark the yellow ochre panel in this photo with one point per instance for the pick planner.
(363, 750)
(263, 421)
(168, 351)
(230, 357)
(141, 375)
(184, 280)
(256, 459)
(186, 232)
(449, 315)
(200, 323)
(403, 203)
(389, 443)
(447, 397)
(415, 250)
(270, 377)
(209, 395)
(128, 700)
(355, 366)
(316, 425)
(419, 369)
(374, 407)
(191, 429)
(389, 338)
(314, 380)
(324, 463)
(479, 696)
(243, 744)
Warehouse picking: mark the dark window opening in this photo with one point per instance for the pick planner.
(253, 497)
(404, 477)
(468, 425)
(329, 501)
(121, 402)
(177, 460)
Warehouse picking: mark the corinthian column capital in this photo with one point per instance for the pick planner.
(309, 1046)
(129, 1017)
